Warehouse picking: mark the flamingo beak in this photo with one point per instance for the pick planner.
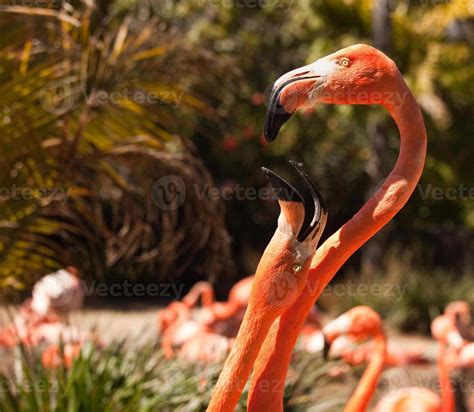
(288, 93)
(326, 348)
(315, 210)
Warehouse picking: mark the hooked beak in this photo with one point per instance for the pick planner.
(315, 210)
(288, 93)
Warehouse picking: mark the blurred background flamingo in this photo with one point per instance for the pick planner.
(362, 323)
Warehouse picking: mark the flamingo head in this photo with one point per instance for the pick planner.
(466, 356)
(357, 324)
(283, 268)
(459, 311)
(175, 312)
(359, 74)
(444, 330)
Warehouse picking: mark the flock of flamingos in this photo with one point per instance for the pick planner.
(267, 314)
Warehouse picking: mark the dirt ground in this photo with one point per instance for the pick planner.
(137, 324)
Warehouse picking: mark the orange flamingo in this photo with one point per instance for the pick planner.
(460, 312)
(361, 323)
(359, 74)
(53, 296)
(38, 322)
(279, 279)
(207, 337)
(465, 357)
(355, 355)
(222, 317)
(205, 347)
(181, 327)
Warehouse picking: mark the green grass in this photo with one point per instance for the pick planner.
(122, 378)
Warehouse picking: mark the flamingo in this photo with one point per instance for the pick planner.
(222, 317)
(460, 312)
(58, 293)
(205, 347)
(361, 323)
(179, 325)
(355, 355)
(311, 336)
(38, 322)
(53, 296)
(207, 337)
(466, 357)
(181, 332)
(48, 335)
(358, 74)
(279, 279)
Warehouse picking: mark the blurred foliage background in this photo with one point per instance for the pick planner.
(99, 101)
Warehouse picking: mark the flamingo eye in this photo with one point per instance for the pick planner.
(344, 61)
(297, 267)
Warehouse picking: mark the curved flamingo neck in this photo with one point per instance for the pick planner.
(263, 309)
(361, 397)
(274, 358)
(446, 388)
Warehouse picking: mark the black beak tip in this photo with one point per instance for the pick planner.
(269, 137)
(326, 348)
(315, 205)
(308, 195)
(282, 189)
(275, 118)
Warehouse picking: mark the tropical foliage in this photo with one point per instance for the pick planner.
(89, 125)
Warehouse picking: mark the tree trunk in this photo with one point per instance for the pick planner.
(378, 134)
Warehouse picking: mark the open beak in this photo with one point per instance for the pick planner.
(315, 210)
(288, 93)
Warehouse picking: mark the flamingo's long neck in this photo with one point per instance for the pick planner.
(361, 397)
(239, 364)
(259, 317)
(446, 388)
(274, 358)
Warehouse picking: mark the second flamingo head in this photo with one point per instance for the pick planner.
(357, 324)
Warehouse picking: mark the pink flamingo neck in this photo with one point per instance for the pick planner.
(258, 318)
(446, 388)
(361, 397)
(239, 363)
(274, 358)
